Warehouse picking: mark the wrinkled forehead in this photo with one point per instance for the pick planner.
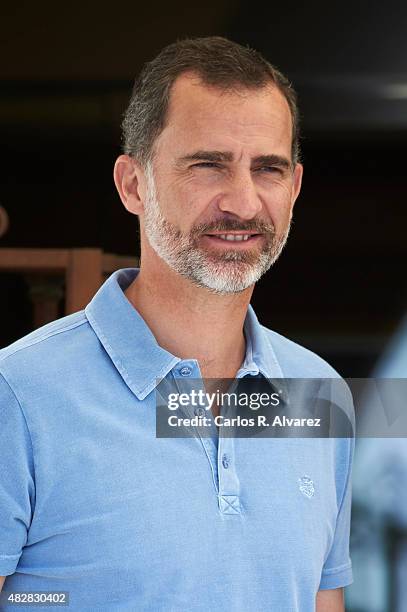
(199, 112)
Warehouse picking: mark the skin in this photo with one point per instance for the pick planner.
(246, 125)
(331, 600)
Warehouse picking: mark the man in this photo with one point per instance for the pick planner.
(92, 502)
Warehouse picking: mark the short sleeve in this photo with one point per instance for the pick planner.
(337, 570)
(17, 491)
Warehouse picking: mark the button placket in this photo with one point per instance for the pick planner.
(219, 450)
(229, 486)
(188, 377)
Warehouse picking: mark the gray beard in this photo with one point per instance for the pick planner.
(231, 271)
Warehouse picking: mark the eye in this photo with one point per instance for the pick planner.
(206, 165)
(270, 169)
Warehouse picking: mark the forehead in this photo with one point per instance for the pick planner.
(205, 116)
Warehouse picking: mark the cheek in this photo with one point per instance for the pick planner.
(278, 203)
(185, 205)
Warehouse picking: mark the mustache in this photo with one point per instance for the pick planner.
(224, 225)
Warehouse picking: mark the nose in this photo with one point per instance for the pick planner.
(240, 197)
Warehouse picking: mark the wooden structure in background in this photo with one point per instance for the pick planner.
(54, 273)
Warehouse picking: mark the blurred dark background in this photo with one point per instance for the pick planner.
(66, 76)
(339, 288)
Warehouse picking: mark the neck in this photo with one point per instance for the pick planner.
(191, 322)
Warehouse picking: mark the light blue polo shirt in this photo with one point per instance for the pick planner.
(93, 503)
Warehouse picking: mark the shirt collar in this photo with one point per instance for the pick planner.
(134, 350)
(260, 355)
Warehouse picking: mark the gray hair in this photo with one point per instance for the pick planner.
(218, 62)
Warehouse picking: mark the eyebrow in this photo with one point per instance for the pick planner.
(227, 156)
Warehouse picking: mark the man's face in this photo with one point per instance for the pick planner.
(221, 188)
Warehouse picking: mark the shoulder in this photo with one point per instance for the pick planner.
(44, 348)
(295, 360)
(298, 362)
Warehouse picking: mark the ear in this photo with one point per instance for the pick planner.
(130, 182)
(297, 181)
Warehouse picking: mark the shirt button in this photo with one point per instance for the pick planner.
(199, 412)
(225, 461)
(185, 371)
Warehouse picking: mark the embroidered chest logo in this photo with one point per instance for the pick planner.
(306, 486)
